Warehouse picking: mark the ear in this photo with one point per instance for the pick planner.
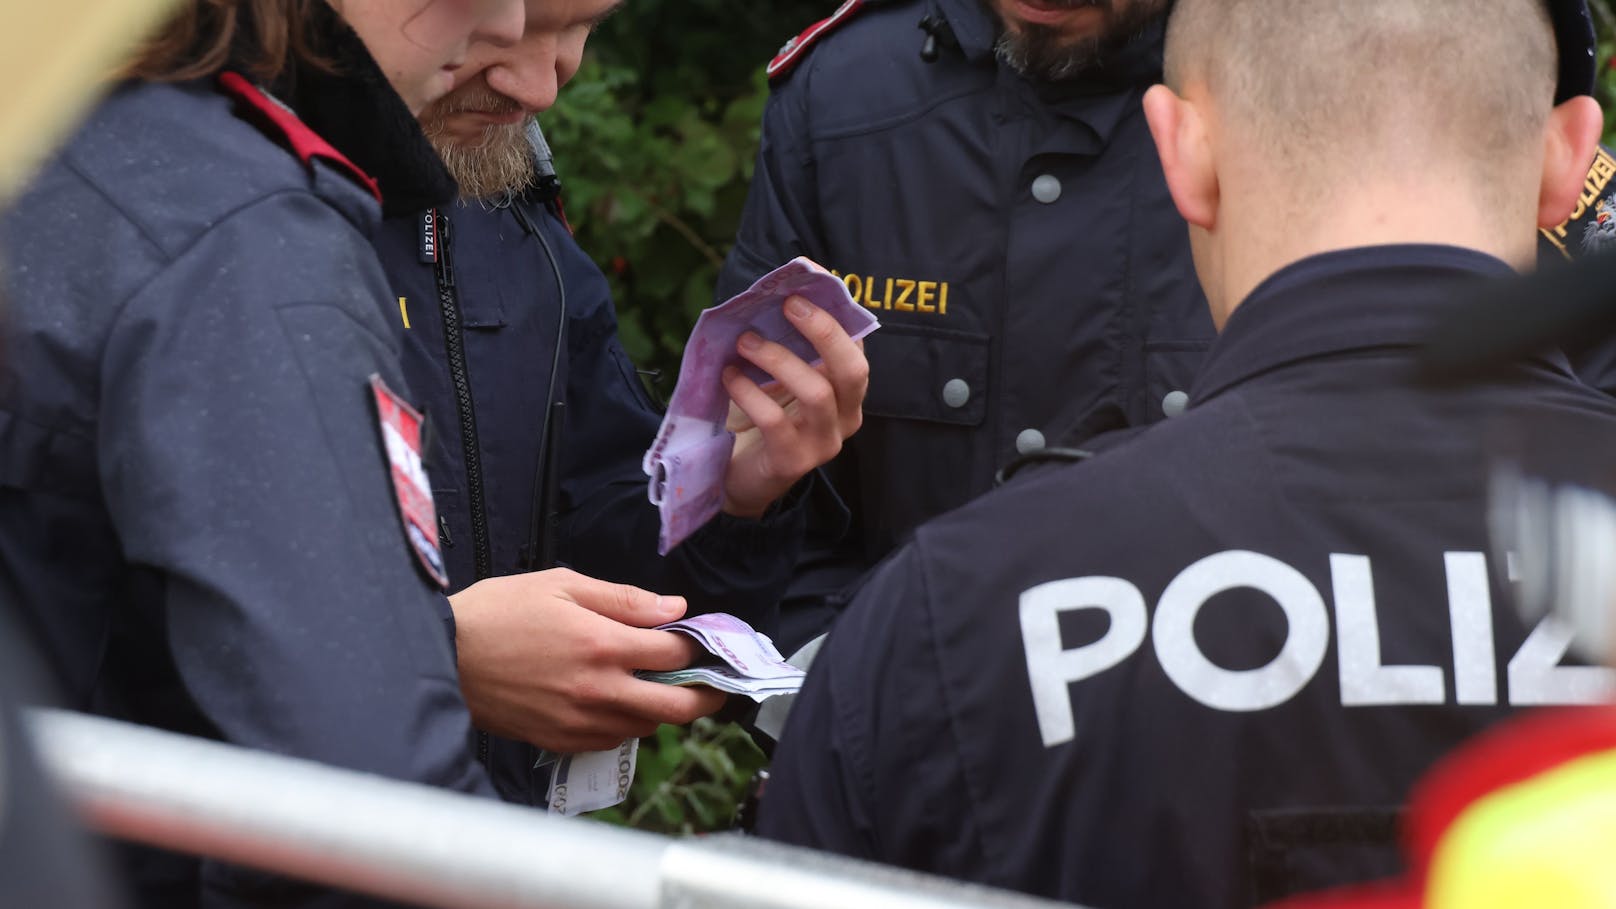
(1570, 140)
(1186, 155)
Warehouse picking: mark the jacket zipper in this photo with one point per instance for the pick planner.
(455, 343)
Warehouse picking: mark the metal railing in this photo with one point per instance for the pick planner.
(429, 847)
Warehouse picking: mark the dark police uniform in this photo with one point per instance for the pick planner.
(199, 523)
(1198, 669)
(476, 285)
(1032, 277)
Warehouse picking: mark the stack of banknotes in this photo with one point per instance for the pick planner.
(744, 660)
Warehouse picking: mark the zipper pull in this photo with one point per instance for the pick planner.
(443, 532)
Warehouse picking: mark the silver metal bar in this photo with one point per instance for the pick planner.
(429, 847)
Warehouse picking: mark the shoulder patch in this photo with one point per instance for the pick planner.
(795, 49)
(303, 142)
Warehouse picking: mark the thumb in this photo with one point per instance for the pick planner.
(624, 603)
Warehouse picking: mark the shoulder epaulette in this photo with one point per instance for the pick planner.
(795, 49)
(293, 132)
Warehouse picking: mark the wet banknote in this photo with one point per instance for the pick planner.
(592, 780)
(687, 462)
(746, 650)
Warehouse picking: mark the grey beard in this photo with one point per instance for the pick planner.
(1037, 52)
(498, 167)
(1034, 54)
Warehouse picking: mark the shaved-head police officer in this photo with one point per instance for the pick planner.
(1203, 668)
(986, 181)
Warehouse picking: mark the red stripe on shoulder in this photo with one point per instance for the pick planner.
(797, 47)
(304, 142)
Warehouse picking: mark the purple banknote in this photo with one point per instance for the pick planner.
(691, 453)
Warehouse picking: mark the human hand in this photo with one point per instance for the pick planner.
(801, 421)
(549, 658)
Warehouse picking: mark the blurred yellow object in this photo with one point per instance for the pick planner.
(56, 55)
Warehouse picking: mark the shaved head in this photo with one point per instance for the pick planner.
(1362, 84)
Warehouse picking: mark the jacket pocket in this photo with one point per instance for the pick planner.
(931, 374)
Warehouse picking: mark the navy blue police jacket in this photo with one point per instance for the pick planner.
(1204, 667)
(1032, 276)
(199, 523)
(482, 301)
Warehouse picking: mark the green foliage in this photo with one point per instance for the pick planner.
(689, 781)
(1605, 90)
(655, 140)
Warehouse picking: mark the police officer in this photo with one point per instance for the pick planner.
(507, 323)
(1202, 668)
(214, 516)
(979, 172)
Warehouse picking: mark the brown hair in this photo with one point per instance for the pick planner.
(261, 37)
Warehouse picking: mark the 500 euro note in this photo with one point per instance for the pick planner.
(687, 462)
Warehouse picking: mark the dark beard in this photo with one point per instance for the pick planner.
(1040, 52)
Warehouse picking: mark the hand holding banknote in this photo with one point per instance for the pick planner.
(785, 354)
(800, 421)
(549, 658)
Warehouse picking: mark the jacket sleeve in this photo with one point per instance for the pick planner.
(245, 473)
(867, 765)
(781, 218)
(609, 528)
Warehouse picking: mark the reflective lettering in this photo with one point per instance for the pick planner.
(1307, 637)
(1536, 676)
(1049, 668)
(942, 301)
(1365, 681)
(855, 287)
(1470, 611)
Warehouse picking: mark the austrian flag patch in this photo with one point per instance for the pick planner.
(400, 426)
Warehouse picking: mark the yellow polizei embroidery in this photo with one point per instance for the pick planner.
(404, 312)
(899, 294)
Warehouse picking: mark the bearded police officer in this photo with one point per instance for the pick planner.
(1202, 668)
(979, 171)
(981, 174)
(508, 326)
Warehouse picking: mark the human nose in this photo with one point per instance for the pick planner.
(530, 79)
(502, 23)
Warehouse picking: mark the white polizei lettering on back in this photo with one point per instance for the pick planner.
(1470, 612)
(1536, 676)
(1051, 669)
(1364, 680)
(1306, 640)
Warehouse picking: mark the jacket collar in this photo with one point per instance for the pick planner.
(1344, 301)
(358, 112)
